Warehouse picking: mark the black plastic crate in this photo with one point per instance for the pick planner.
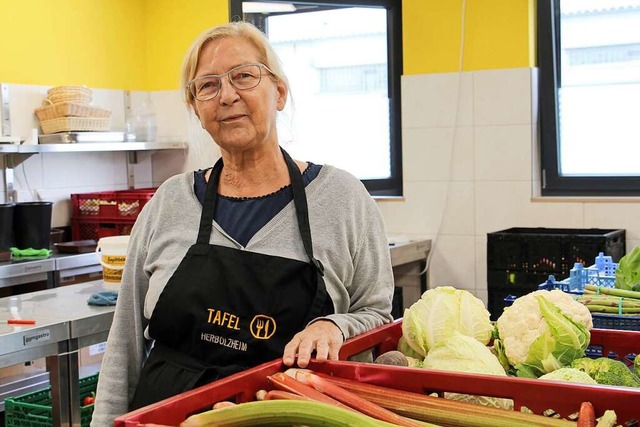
(551, 250)
(498, 294)
(514, 279)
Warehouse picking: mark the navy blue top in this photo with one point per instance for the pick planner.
(242, 217)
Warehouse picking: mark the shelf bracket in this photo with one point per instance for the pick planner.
(7, 172)
(132, 160)
(4, 110)
(7, 164)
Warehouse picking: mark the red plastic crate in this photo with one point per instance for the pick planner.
(95, 229)
(123, 204)
(537, 395)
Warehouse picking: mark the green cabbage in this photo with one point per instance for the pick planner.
(439, 313)
(405, 349)
(461, 353)
(628, 271)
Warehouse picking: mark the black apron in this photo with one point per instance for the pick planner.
(225, 310)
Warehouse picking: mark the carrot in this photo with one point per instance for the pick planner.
(587, 415)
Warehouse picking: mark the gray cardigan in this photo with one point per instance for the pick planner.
(349, 237)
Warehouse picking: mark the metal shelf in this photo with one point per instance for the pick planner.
(83, 147)
(13, 154)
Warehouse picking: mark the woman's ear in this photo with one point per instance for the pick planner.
(282, 95)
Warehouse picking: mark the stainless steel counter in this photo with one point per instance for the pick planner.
(64, 324)
(53, 269)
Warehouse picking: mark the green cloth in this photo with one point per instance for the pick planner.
(30, 253)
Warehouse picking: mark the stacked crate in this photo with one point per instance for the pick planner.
(106, 213)
(519, 259)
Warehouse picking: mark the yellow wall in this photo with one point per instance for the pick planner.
(498, 34)
(139, 44)
(98, 43)
(172, 26)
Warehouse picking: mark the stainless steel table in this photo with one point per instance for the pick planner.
(48, 338)
(88, 325)
(53, 269)
(64, 324)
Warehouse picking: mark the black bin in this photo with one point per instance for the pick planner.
(32, 225)
(6, 226)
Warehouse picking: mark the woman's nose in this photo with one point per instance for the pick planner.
(228, 93)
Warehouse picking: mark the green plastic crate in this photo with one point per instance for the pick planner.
(34, 409)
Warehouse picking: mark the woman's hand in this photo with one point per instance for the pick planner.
(322, 336)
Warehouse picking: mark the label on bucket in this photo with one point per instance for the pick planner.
(110, 274)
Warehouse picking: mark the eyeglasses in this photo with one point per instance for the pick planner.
(243, 77)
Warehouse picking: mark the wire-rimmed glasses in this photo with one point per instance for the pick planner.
(242, 77)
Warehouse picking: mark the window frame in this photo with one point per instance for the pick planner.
(392, 186)
(550, 79)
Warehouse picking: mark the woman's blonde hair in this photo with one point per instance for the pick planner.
(240, 29)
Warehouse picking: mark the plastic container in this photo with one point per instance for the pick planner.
(537, 395)
(113, 254)
(88, 229)
(122, 204)
(141, 124)
(6, 226)
(35, 410)
(32, 225)
(551, 250)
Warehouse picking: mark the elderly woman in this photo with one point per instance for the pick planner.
(259, 257)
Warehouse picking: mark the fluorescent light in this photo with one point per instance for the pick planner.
(264, 7)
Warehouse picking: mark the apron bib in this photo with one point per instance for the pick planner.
(225, 310)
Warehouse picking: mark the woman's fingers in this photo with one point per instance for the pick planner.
(323, 337)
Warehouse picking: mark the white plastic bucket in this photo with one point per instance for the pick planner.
(114, 254)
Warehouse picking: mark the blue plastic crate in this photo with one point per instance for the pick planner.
(601, 273)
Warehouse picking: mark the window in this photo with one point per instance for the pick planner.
(344, 62)
(589, 60)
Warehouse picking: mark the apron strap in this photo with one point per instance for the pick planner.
(302, 210)
(299, 201)
(208, 207)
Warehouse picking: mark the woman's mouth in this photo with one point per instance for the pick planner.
(232, 119)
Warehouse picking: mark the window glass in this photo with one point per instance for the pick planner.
(599, 96)
(589, 60)
(345, 108)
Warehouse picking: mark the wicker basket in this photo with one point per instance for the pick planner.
(75, 94)
(65, 109)
(70, 124)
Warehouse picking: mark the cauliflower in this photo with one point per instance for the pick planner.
(607, 371)
(571, 375)
(542, 331)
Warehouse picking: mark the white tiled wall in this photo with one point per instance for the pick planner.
(470, 168)
(468, 156)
